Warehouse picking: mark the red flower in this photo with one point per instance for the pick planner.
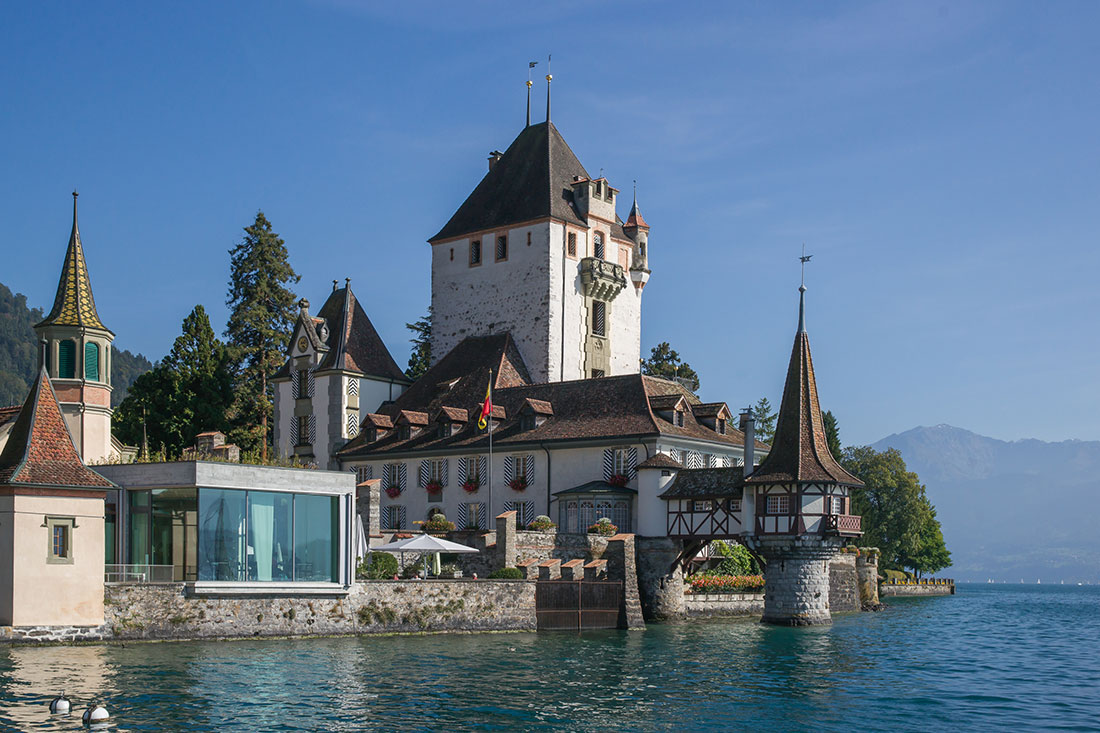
(433, 487)
(393, 491)
(618, 480)
(472, 485)
(518, 484)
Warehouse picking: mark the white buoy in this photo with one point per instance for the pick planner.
(95, 713)
(60, 705)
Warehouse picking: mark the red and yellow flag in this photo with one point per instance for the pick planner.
(486, 408)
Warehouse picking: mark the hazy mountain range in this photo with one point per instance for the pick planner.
(1023, 509)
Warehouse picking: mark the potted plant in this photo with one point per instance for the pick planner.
(393, 491)
(603, 527)
(438, 524)
(618, 480)
(471, 485)
(518, 484)
(450, 570)
(542, 523)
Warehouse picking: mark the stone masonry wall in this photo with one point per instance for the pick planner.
(660, 581)
(867, 576)
(796, 581)
(843, 585)
(891, 589)
(723, 604)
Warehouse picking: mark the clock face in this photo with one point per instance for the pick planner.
(302, 343)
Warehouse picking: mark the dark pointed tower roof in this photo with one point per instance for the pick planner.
(354, 344)
(40, 450)
(532, 180)
(635, 220)
(799, 451)
(74, 305)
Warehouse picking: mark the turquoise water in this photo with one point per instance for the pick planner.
(992, 657)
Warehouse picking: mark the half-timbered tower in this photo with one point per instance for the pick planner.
(798, 500)
(78, 355)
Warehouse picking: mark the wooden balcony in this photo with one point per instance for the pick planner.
(846, 525)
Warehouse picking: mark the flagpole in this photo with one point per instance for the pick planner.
(490, 426)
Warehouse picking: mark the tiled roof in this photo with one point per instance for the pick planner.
(661, 460)
(709, 409)
(799, 451)
(454, 414)
(665, 391)
(539, 407)
(354, 343)
(412, 417)
(532, 180)
(635, 220)
(74, 305)
(378, 421)
(706, 483)
(40, 450)
(8, 414)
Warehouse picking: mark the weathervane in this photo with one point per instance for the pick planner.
(804, 259)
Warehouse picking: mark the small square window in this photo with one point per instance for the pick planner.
(475, 252)
(779, 504)
(571, 248)
(502, 248)
(60, 535)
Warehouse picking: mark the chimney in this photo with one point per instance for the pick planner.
(494, 156)
(748, 427)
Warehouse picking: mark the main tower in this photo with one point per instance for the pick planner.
(538, 250)
(78, 355)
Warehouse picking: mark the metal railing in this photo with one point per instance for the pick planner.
(138, 573)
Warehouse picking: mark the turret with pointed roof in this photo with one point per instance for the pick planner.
(78, 348)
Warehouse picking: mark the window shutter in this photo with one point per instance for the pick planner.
(353, 388)
(353, 425)
(530, 465)
(483, 468)
(91, 362)
(312, 429)
(608, 463)
(443, 472)
(632, 461)
(294, 391)
(402, 474)
(423, 474)
(463, 516)
(66, 360)
(481, 524)
(400, 517)
(294, 431)
(694, 459)
(599, 318)
(509, 469)
(463, 469)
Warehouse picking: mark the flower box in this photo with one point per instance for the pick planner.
(433, 487)
(393, 491)
(471, 486)
(517, 484)
(618, 480)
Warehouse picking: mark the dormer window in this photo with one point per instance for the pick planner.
(599, 188)
(527, 422)
(404, 432)
(720, 426)
(678, 418)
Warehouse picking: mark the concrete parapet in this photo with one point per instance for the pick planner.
(572, 570)
(530, 568)
(595, 570)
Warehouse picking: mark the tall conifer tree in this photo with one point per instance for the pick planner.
(261, 315)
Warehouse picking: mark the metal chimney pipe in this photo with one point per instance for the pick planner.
(43, 345)
(748, 427)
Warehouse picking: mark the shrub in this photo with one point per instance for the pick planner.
(895, 576)
(603, 527)
(439, 523)
(376, 566)
(726, 583)
(736, 560)
(541, 523)
(507, 574)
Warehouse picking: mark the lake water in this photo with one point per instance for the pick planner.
(993, 657)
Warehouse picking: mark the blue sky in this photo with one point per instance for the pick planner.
(939, 160)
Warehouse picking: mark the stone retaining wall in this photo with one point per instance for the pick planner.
(891, 589)
(843, 584)
(723, 604)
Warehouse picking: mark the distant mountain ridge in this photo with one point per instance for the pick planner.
(1010, 510)
(19, 353)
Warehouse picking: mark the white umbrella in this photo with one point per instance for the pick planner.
(362, 545)
(424, 544)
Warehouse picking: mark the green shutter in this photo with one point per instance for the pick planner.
(66, 360)
(91, 362)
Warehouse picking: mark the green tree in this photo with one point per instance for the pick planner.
(188, 392)
(736, 560)
(832, 434)
(897, 516)
(261, 316)
(765, 420)
(421, 357)
(664, 362)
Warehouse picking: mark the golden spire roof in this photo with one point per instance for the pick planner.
(74, 304)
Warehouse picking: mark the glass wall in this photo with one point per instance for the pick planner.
(267, 536)
(140, 552)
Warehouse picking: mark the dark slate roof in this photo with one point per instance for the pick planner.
(706, 483)
(799, 451)
(661, 460)
(596, 487)
(40, 450)
(354, 344)
(532, 180)
(665, 392)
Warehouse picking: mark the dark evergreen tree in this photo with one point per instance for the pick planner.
(262, 313)
(421, 357)
(832, 433)
(765, 420)
(125, 368)
(664, 362)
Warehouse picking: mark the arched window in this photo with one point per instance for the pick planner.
(91, 362)
(66, 360)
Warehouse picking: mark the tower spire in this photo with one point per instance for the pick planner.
(549, 78)
(802, 292)
(73, 305)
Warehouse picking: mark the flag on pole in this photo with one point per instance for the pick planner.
(486, 408)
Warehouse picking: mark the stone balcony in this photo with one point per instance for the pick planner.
(601, 279)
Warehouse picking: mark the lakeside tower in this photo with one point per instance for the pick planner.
(78, 355)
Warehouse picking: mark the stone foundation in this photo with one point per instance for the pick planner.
(717, 605)
(843, 586)
(660, 581)
(867, 576)
(796, 580)
(913, 589)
